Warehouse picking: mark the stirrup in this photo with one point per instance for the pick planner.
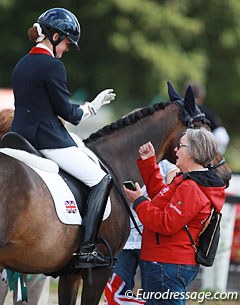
(92, 255)
(91, 259)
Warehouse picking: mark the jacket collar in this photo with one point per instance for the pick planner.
(40, 50)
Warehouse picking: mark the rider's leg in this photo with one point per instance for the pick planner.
(74, 161)
(89, 255)
(84, 169)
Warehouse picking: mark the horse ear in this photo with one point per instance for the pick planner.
(173, 95)
(189, 100)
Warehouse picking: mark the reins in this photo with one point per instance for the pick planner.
(123, 198)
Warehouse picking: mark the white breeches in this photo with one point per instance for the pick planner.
(76, 162)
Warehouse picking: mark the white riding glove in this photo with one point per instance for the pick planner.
(103, 98)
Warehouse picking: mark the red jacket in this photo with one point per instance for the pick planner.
(187, 200)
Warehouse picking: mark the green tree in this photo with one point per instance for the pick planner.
(136, 46)
(221, 41)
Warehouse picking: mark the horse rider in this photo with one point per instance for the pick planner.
(41, 96)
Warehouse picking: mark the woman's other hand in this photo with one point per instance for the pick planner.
(133, 195)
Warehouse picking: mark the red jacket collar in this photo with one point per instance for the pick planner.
(37, 50)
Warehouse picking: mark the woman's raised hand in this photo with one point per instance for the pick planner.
(146, 151)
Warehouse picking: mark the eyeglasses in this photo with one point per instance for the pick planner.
(181, 145)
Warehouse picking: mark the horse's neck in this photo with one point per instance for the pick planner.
(119, 150)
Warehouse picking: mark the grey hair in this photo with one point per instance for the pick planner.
(202, 145)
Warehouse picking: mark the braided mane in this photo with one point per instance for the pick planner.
(126, 121)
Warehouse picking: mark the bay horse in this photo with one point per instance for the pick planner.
(32, 238)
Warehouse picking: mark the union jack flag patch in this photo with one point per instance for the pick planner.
(115, 293)
(70, 206)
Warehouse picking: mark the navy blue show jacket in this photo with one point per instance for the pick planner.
(41, 97)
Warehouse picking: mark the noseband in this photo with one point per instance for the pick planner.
(221, 162)
(191, 119)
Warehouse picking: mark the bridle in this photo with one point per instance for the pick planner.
(191, 119)
(221, 162)
(189, 122)
(188, 119)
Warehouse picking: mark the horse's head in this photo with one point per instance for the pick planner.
(192, 117)
(189, 116)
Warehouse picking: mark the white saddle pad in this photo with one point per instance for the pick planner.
(63, 198)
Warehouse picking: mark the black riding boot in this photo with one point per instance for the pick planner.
(89, 256)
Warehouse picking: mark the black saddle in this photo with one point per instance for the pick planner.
(78, 188)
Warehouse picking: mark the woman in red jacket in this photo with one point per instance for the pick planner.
(166, 248)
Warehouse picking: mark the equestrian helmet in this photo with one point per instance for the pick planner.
(62, 21)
